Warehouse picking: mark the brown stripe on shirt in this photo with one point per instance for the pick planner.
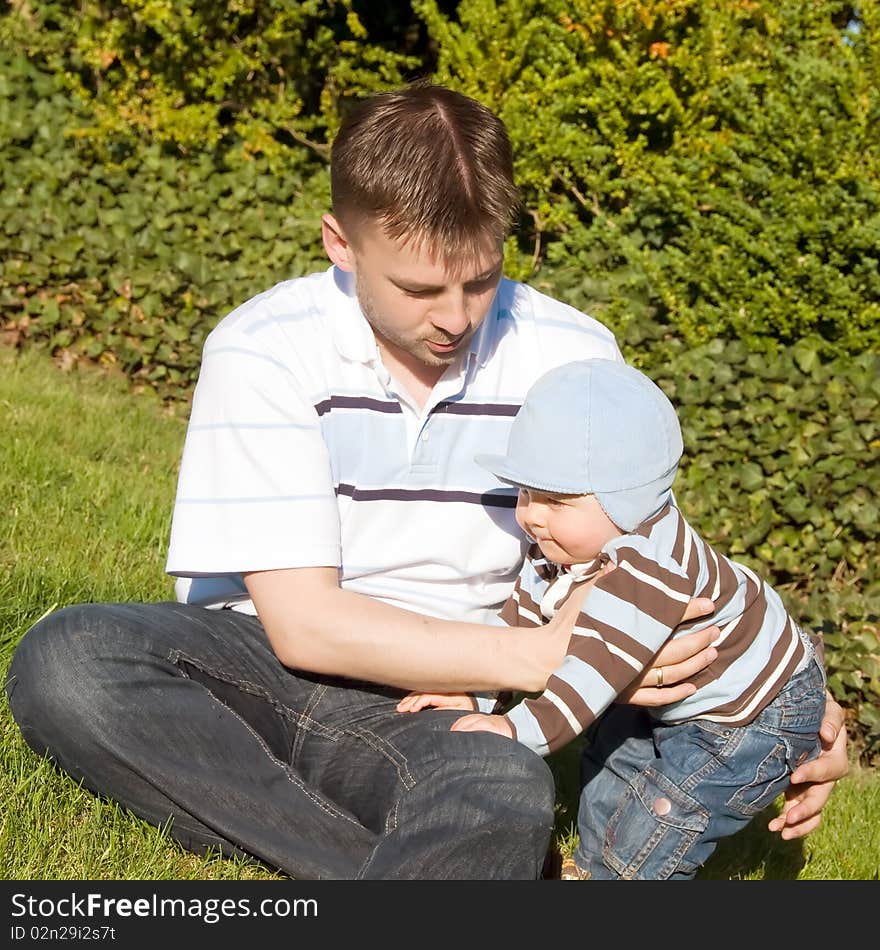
(554, 725)
(512, 613)
(693, 565)
(618, 638)
(674, 580)
(486, 499)
(727, 581)
(645, 527)
(771, 677)
(632, 590)
(712, 570)
(736, 642)
(611, 667)
(575, 702)
(680, 539)
(750, 623)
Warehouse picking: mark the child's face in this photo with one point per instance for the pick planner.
(569, 529)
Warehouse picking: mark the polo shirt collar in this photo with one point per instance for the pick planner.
(485, 340)
(352, 335)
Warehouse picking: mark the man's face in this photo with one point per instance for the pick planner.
(423, 313)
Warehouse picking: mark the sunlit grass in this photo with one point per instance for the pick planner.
(88, 475)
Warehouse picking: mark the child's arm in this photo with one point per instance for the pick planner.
(625, 618)
(479, 722)
(413, 702)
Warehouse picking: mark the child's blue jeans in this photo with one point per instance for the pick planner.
(656, 798)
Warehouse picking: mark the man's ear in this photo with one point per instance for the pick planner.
(336, 244)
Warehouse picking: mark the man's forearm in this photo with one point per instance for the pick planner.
(349, 634)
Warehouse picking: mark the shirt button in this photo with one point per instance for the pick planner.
(426, 436)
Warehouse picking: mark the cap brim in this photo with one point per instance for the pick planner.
(500, 466)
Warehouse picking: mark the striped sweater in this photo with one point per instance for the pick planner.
(633, 610)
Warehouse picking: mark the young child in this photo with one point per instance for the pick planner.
(594, 451)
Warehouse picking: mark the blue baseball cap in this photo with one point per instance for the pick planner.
(595, 427)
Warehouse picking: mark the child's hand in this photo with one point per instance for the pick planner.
(481, 722)
(416, 701)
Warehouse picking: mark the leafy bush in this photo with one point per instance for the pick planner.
(708, 165)
(245, 76)
(134, 265)
(780, 471)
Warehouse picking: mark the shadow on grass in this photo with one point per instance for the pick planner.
(755, 853)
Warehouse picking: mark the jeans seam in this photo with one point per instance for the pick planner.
(714, 762)
(254, 689)
(303, 720)
(288, 771)
(391, 820)
(292, 777)
(300, 735)
(174, 656)
(379, 745)
(308, 724)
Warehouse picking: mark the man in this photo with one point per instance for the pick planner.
(336, 545)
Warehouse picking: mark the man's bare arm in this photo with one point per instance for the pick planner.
(315, 625)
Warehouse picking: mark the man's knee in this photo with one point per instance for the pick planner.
(502, 774)
(50, 683)
(523, 773)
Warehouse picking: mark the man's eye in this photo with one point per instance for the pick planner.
(479, 286)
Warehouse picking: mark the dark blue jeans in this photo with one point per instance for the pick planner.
(185, 713)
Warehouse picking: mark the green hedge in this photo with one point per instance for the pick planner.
(134, 264)
(245, 77)
(781, 472)
(709, 165)
(703, 176)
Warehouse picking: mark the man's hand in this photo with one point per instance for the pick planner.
(480, 722)
(665, 681)
(416, 701)
(812, 783)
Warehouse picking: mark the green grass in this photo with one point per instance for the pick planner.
(88, 477)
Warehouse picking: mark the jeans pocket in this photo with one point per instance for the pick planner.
(773, 771)
(653, 829)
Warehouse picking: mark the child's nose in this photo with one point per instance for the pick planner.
(535, 513)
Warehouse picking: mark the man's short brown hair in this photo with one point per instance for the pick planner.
(432, 166)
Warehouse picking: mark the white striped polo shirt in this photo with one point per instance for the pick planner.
(300, 451)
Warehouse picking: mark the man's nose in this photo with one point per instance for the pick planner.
(451, 315)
